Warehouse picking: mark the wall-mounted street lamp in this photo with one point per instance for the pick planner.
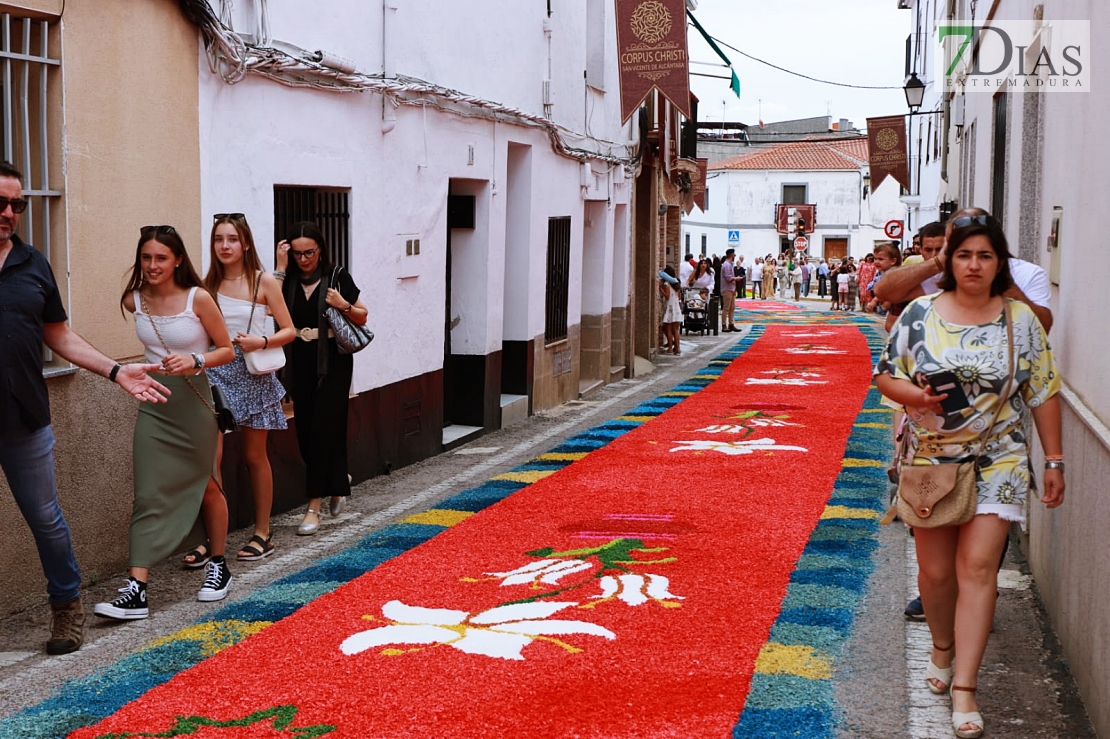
(915, 92)
(866, 183)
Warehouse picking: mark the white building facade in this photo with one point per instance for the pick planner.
(473, 179)
(745, 192)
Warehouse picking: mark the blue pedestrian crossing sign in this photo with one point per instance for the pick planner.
(734, 237)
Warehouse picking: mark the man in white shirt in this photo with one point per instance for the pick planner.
(686, 268)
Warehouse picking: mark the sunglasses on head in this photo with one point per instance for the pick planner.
(164, 230)
(18, 205)
(233, 216)
(965, 221)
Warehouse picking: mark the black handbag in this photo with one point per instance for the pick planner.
(349, 337)
(225, 419)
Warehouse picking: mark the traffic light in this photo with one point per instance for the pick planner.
(801, 226)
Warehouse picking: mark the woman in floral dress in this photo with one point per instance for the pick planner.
(963, 330)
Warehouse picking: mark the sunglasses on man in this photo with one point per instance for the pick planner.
(18, 205)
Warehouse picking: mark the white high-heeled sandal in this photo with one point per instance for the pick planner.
(974, 718)
(940, 674)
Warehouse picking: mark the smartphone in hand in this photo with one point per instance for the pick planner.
(946, 382)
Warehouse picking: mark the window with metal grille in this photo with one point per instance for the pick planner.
(558, 279)
(326, 207)
(26, 71)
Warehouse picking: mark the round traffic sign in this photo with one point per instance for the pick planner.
(893, 229)
(801, 243)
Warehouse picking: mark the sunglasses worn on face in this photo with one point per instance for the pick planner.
(147, 230)
(306, 254)
(233, 216)
(18, 205)
(965, 221)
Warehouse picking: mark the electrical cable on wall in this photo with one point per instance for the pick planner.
(230, 57)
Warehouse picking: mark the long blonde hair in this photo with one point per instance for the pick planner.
(252, 265)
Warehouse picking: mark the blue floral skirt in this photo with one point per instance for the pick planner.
(255, 400)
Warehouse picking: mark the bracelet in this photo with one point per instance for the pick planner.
(1054, 457)
(265, 342)
(114, 372)
(936, 261)
(350, 307)
(279, 274)
(1054, 466)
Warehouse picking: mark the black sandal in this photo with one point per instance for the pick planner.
(197, 557)
(258, 547)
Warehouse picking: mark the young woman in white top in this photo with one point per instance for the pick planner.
(250, 300)
(174, 452)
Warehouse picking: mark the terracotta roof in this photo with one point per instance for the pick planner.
(855, 148)
(802, 155)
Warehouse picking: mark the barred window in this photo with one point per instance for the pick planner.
(558, 279)
(27, 75)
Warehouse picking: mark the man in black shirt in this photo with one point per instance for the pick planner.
(31, 314)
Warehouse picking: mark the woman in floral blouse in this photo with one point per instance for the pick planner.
(963, 330)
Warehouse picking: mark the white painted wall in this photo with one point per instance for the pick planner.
(258, 133)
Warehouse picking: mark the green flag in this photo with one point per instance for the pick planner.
(735, 83)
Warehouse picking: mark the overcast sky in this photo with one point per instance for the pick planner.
(860, 42)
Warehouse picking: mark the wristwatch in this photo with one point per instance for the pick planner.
(1054, 466)
(198, 360)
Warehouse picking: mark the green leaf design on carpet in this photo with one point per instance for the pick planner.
(280, 719)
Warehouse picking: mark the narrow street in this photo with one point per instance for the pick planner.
(692, 553)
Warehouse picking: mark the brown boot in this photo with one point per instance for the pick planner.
(67, 627)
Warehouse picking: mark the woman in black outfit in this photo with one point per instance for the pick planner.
(317, 375)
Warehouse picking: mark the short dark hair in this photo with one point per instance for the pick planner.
(7, 169)
(932, 230)
(1003, 280)
(729, 252)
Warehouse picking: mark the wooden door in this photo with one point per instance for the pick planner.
(836, 249)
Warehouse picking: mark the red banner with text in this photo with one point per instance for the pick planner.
(886, 138)
(651, 39)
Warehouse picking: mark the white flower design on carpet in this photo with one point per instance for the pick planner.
(500, 632)
(636, 590)
(543, 572)
(734, 448)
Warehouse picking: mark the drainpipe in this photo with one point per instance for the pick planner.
(946, 118)
(389, 66)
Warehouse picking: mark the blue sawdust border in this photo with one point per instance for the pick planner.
(827, 584)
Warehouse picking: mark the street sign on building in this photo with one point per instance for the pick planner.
(734, 237)
(893, 229)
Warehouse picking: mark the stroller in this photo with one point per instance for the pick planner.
(695, 311)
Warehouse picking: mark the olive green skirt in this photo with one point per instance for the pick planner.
(174, 455)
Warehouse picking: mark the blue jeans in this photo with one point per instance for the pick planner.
(27, 459)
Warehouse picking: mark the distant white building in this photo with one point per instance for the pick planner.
(744, 193)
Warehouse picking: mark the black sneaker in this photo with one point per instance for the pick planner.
(217, 581)
(914, 610)
(131, 603)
